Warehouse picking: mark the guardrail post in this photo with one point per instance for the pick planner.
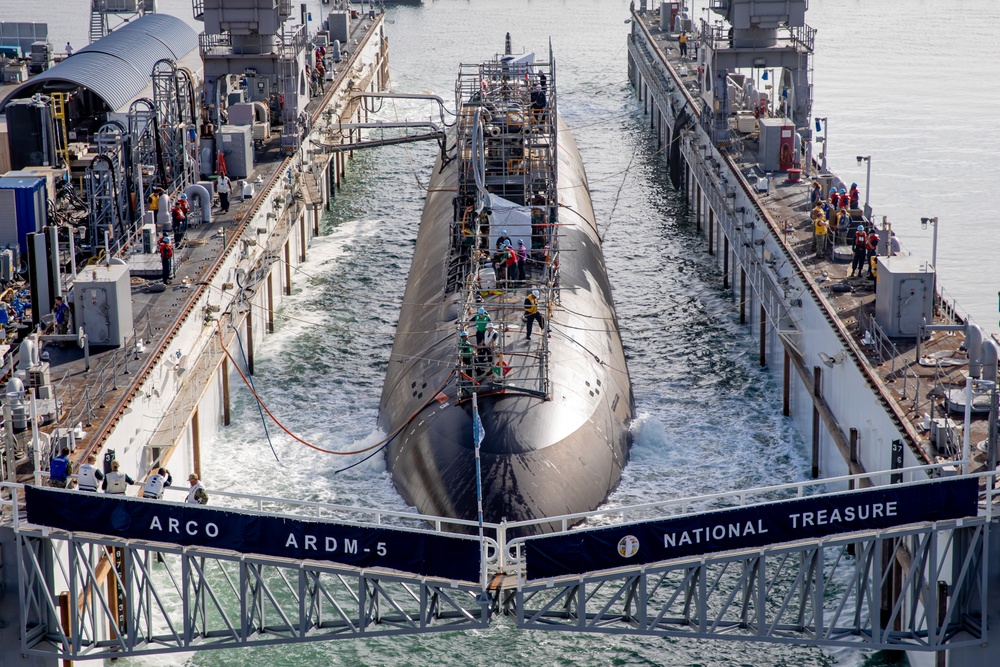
(114, 371)
(817, 394)
(502, 557)
(89, 406)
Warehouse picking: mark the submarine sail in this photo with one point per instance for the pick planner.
(507, 298)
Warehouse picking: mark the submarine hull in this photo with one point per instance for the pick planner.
(542, 455)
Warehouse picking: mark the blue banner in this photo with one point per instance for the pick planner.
(582, 551)
(434, 555)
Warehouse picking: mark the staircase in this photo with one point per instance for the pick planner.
(98, 26)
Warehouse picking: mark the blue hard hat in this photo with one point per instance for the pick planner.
(184, 195)
(482, 311)
(861, 228)
(503, 232)
(854, 185)
(843, 191)
(464, 334)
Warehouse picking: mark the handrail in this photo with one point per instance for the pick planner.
(504, 553)
(744, 497)
(514, 557)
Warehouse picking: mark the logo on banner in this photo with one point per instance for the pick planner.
(628, 546)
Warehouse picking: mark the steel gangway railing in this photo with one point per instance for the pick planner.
(91, 596)
(88, 595)
(918, 587)
(509, 148)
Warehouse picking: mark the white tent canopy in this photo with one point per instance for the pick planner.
(510, 217)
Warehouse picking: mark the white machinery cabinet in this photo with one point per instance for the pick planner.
(103, 300)
(905, 295)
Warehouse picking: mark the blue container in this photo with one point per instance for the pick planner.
(22, 210)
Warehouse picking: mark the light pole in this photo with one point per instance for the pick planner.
(868, 183)
(923, 225)
(822, 155)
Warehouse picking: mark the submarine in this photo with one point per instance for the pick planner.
(507, 229)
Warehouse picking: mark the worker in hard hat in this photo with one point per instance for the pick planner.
(166, 250)
(481, 319)
(465, 350)
(178, 219)
(487, 349)
(531, 314)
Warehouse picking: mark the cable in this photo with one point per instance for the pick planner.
(618, 195)
(263, 421)
(360, 461)
(270, 414)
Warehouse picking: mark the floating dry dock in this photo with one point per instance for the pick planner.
(874, 380)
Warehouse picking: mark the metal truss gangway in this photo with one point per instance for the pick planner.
(911, 584)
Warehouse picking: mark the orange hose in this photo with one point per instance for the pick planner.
(263, 405)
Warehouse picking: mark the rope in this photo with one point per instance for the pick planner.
(621, 186)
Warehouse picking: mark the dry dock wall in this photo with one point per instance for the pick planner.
(179, 397)
(777, 299)
(833, 399)
(183, 399)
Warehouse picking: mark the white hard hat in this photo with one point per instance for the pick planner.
(534, 293)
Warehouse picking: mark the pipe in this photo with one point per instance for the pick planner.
(261, 113)
(204, 200)
(974, 345)
(990, 353)
(163, 210)
(35, 443)
(967, 426)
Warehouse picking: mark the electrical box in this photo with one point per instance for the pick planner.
(236, 97)
(944, 435)
(236, 143)
(246, 114)
(8, 265)
(149, 242)
(241, 114)
(22, 210)
(40, 375)
(339, 24)
(746, 122)
(777, 144)
(904, 297)
(103, 300)
(63, 437)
